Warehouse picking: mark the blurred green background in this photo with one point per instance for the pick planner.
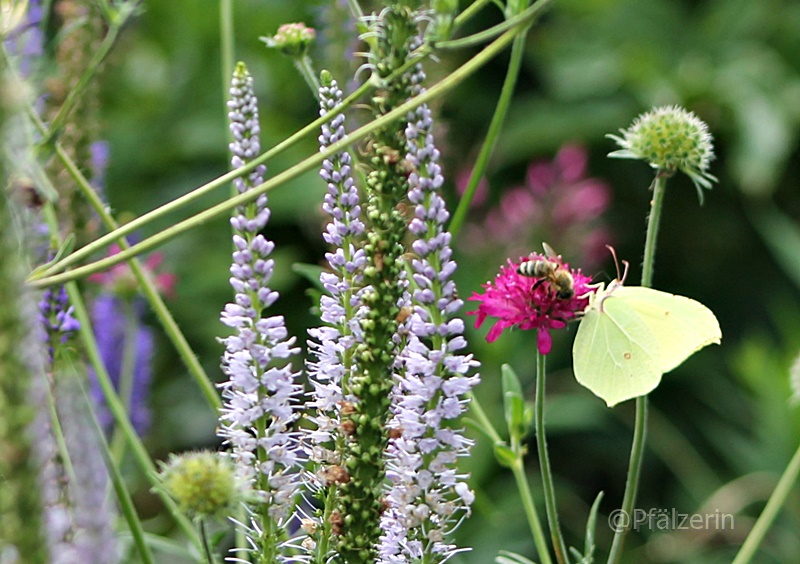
(722, 426)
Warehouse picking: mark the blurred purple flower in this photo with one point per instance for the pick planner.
(56, 315)
(557, 204)
(125, 343)
(26, 41)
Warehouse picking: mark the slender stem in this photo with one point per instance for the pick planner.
(490, 141)
(148, 287)
(544, 461)
(653, 221)
(206, 542)
(483, 419)
(518, 469)
(471, 10)
(495, 30)
(75, 93)
(640, 423)
(455, 78)
(227, 52)
(119, 231)
(774, 503)
(303, 65)
(126, 376)
(539, 539)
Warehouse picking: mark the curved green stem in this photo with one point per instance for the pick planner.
(640, 424)
(119, 231)
(148, 287)
(544, 461)
(774, 503)
(483, 419)
(528, 15)
(455, 78)
(74, 95)
(471, 10)
(490, 141)
(518, 469)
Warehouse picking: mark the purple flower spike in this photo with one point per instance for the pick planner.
(259, 397)
(428, 497)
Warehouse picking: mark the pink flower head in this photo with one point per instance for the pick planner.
(120, 280)
(530, 302)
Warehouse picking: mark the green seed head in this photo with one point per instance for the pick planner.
(202, 483)
(669, 138)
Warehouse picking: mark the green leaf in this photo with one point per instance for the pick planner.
(514, 404)
(504, 455)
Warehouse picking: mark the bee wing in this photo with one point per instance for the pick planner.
(548, 250)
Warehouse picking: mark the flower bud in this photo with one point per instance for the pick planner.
(292, 39)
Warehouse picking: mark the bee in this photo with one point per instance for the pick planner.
(550, 271)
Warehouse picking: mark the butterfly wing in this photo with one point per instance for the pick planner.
(615, 355)
(681, 326)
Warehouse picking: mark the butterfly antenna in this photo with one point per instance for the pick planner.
(616, 262)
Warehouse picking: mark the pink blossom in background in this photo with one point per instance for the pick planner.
(557, 203)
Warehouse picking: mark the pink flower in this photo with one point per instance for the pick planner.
(529, 302)
(558, 202)
(120, 279)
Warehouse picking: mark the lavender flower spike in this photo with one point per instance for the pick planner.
(259, 397)
(428, 497)
(331, 360)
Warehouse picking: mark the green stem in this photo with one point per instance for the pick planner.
(774, 503)
(303, 65)
(640, 424)
(75, 93)
(653, 221)
(148, 287)
(126, 377)
(471, 10)
(137, 223)
(490, 141)
(494, 31)
(544, 461)
(123, 495)
(209, 554)
(227, 53)
(539, 539)
(483, 419)
(455, 78)
(140, 455)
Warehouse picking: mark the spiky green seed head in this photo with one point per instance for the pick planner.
(670, 138)
(203, 483)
